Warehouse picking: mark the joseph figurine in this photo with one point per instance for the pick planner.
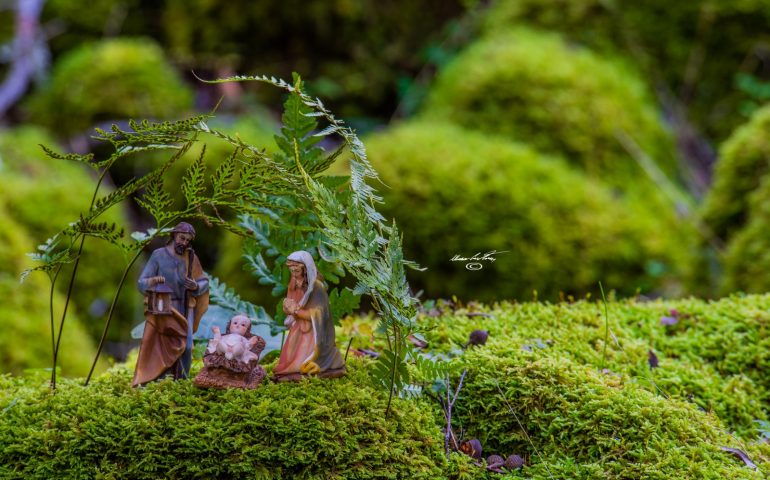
(167, 342)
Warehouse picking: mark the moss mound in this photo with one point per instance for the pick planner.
(545, 217)
(747, 259)
(714, 356)
(744, 161)
(40, 194)
(539, 373)
(585, 425)
(106, 81)
(534, 87)
(680, 44)
(318, 429)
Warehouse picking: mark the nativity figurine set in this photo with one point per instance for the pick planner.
(176, 295)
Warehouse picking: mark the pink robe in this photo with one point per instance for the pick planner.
(310, 338)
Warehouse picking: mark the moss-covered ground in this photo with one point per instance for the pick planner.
(568, 388)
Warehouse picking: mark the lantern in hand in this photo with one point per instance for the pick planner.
(160, 299)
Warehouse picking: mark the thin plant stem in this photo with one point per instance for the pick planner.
(606, 325)
(396, 357)
(72, 283)
(448, 417)
(53, 326)
(516, 417)
(109, 316)
(347, 350)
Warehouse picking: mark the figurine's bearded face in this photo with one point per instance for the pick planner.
(181, 242)
(240, 324)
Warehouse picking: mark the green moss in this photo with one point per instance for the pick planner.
(41, 194)
(714, 357)
(585, 425)
(679, 45)
(357, 55)
(535, 87)
(317, 429)
(580, 423)
(744, 160)
(454, 192)
(106, 81)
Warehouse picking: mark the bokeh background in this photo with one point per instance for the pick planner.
(586, 141)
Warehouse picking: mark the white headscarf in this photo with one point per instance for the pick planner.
(311, 272)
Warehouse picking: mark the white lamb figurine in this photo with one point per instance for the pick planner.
(234, 345)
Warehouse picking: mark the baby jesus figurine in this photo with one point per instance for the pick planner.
(234, 345)
(232, 360)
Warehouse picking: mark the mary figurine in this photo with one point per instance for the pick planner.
(310, 348)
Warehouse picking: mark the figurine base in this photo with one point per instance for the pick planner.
(296, 377)
(218, 377)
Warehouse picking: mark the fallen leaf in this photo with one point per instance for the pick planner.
(742, 455)
(652, 359)
(667, 321)
(369, 353)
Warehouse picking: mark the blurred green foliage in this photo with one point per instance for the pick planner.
(40, 195)
(737, 207)
(692, 50)
(351, 52)
(107, 81)
(744, 161)
(25, 333)
(456, 192)
(534, 87)
(747, 258)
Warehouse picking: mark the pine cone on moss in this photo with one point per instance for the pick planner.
(495, 463)
(513, 462)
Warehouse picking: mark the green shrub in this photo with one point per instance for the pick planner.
(744, 161)
(316, 429)
(106, 81)
(454, 192)
(41, 194)
(25, 333)
(534, 87)
(680, 46)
